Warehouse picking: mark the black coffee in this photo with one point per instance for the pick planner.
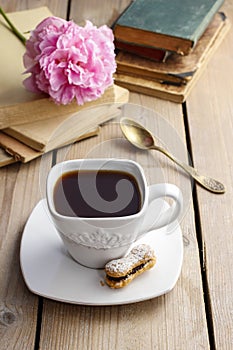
(106, 193)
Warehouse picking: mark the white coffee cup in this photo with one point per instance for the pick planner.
(94, 241)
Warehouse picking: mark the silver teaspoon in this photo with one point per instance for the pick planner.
(142, 138)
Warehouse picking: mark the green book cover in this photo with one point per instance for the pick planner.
(166, 24)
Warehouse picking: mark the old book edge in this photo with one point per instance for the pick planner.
(172, 93)
(41, 134)
(177, 70)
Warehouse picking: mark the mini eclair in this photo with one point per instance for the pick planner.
(120, 272)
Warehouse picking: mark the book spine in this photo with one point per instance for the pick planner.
(143, 51)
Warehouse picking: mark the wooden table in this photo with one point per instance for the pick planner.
(198, 312)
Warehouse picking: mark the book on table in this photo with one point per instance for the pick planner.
(174, 79)
(50, 134)
(172, 25)
(25, 142)
(177, 69)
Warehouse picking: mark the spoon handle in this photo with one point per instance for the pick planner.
(207, 182)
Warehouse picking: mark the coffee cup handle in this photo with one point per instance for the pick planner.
(167, 214)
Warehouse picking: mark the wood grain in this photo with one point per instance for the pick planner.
(210, 121)
(58, 8)
(18, 307)
(176, 320)
(97, 11)
(173, 321)
(18, 196)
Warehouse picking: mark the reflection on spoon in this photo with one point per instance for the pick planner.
(142, 138)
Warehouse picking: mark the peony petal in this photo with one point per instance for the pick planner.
(30, 84)
(57, 79)
(68, 61)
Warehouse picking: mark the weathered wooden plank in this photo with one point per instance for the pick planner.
(210, 121)
(58, 8)
(19, 193)
(97, 11)
(176, 320)
(173, 321)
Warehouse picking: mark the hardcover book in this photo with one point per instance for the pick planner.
(177, 70)
(172, 25)
(172, 81)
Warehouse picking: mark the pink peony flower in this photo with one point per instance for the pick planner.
(69, 62)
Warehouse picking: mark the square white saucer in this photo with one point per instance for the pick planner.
(49, 271)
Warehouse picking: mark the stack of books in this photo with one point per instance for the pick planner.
(163, 46)
(32, 124)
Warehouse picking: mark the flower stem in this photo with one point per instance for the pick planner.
(13, 28)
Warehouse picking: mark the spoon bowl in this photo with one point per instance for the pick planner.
(136, 134)
(142, 138)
